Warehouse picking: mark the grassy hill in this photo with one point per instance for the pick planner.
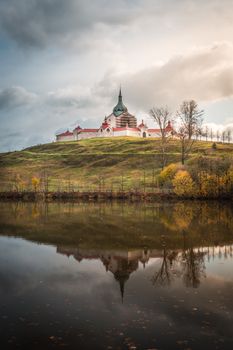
(89, 164)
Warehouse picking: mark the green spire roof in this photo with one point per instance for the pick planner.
(120, 107)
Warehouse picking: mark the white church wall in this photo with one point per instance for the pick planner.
(105, 133)
(61, 138)
(87, 135)
(153, 134)
(127, 132)
(111, 120)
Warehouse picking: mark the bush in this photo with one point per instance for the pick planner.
(35, 183)
(167, 174)
(214, 185)
(183, 184)
(214, 146)
(209, 185)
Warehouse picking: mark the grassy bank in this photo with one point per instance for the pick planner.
(96, 164)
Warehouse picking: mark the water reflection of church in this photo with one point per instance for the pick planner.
(121, 263)
(186, 264)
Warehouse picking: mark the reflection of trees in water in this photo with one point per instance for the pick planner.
(119, 224)
(188, 264)
(193, 265)
(174, 217)
(164, 275)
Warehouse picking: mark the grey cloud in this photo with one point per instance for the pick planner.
(15, 97)
(33, 23)
(39, 116)
(41, 23)
(69, 99)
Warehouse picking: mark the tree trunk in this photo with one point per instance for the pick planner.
(183, 152)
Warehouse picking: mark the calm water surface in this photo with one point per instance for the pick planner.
(116, 276)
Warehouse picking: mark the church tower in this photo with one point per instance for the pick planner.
(120, 107)
(122, 117)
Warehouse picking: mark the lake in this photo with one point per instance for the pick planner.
(116, 275)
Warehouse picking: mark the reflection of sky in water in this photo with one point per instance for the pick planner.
(60, 301)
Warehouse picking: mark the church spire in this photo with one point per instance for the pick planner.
(120, 94)
(120, 107)
(122, 288)
(120, 97)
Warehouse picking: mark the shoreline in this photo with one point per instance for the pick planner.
(103, 196)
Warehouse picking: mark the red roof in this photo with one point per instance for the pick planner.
(169, 125)
(78, 128)
(153, 130)
(88, 130)
(141, 125)
(66, 133)
(104, 125)
(158, 130)
(168, 128)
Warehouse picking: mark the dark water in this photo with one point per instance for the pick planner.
(102, 276)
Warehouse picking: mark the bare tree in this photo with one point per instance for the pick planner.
(211, 134)
(193, 267)
(186, 144)
(223, 136)
(162, 117)
(206, 133)
(191, 117)
(228, 135)
(190, 125)
(45, 180)
(162, 276)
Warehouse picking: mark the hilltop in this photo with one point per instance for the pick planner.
(94, 163)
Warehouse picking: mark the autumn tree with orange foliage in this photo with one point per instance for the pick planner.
(183, 183)
(168, 173)
(35, 183)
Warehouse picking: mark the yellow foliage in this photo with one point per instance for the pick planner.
(210, 185)
(180, 218)
(213, 186)
(183, 183)
(229, 179)
(182, 215)
(167, 174)
(35, 183)
(35, 212)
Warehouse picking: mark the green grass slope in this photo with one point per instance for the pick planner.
(97, 162)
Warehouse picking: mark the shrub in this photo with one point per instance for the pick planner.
(35, 183)
(214, 146)
(167, 174)
(209, 185)
(183, 184)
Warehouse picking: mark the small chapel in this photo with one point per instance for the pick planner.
(119, 123)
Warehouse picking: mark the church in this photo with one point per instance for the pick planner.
(119, 123)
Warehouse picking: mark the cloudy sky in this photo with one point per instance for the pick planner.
(62, 62)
